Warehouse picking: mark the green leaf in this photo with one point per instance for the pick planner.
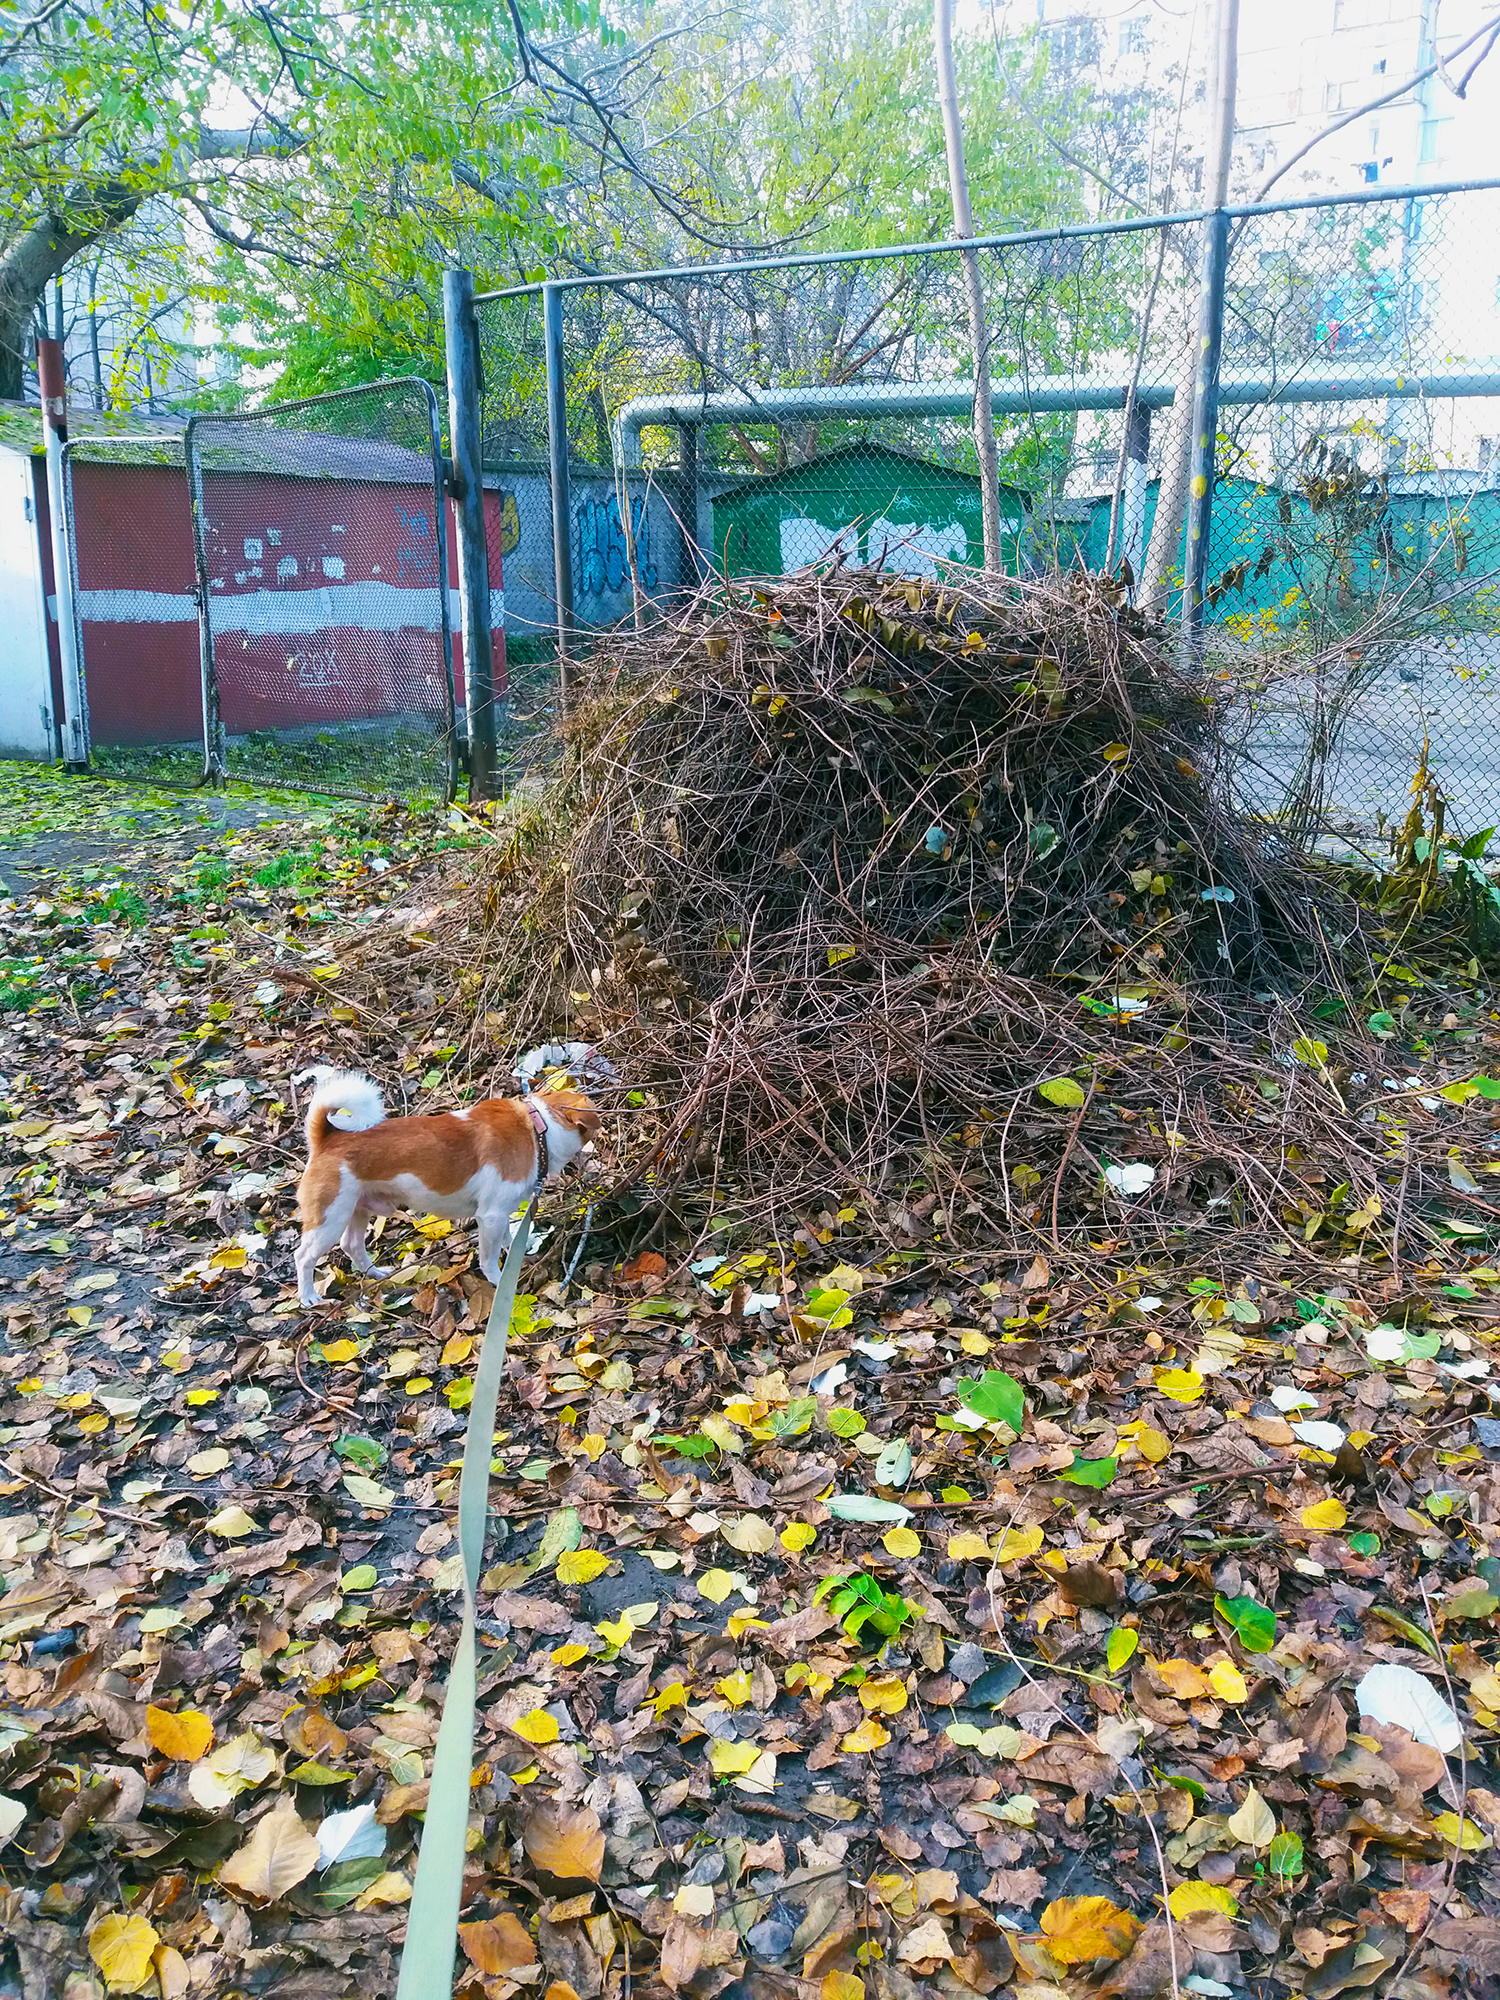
(1090, 1471)
(347, 1879)
(1284, 1855)
(1062, 1090)
(361, 1451)
(1382, 1024)
(997, 1397)
(1309, 1050)
(361, 1577)
(796, 1418)
(1254, 1624)
(846, 1423)
(1120, 1647)
(564, 1531)
(1365, 1545)
(696, 1446)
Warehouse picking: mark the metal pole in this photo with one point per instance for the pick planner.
(208, 686)
(562, 506)
(466, 486)
(1132, 549)
(1205, 427)
(691, 569)
(52, 380)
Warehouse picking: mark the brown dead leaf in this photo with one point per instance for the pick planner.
(310, 1733)
(650, 1264)
(681, 1953)
(1407, 1907)
(1145, 1972)
(926, 1947)
(498, 1944)
(564, 1842)
(1091, 1583)
(1473, 1941)
(1182, 1679)
(1419, 1764)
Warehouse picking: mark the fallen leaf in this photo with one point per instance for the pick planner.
(122, 1948)
(279, 1854)
(1254, 1823)
(566, 1842)
(1079, 1929)
(183, 1734)
(498, 1945)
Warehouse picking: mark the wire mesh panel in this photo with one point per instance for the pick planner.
(136, 607)
(1356, 540)
(322, 547)
(756, 418)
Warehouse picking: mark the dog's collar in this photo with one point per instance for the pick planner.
(543, 1159)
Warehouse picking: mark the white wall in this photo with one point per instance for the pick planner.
(26, 722)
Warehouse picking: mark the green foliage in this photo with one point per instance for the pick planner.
(859, 1601)
(1253, 1624)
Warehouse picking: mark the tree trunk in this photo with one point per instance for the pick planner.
(41, 255)
(963, 225)
(1172, 495)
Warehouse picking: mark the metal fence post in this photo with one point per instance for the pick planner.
(461, 341)
(687, 507)
(214, 763)
(53, 383)
(557, 452)
(1205, 425)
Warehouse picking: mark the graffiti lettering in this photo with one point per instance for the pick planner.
(416, 554)
(315, 669)
(602, 562)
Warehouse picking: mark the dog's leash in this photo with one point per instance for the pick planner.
(427, 1958)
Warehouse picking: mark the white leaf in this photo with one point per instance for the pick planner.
(861, 1507)
(1130, 1180)
(1386, 1343)
(893, 1465)
(1285, 1397)
(350, 1836)
(1390, 1693)
(829, 1381)
(1466, 1371)
(877, 1350)
(759, 1302)
(12, 1817)
(1324, 1437)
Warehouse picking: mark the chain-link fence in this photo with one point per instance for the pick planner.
(135, 605)
(754, 418)
(323, 563)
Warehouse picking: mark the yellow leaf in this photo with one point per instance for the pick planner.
(673, 1695)
(231, 1523)
(966, 1546)
(80, 1315)
(339, 1350)
(537, 1726)
(735, 1688)
(182, 1734)
(796, 1536)
(1227, 1682)
(1254, 1823)
(498, 1945)
(94, 1423)
(715, 1585)
(883, 1694)
(458, 1349)
(730, 1760)
(841, 1986)
(1017, 1543)
(1112, 753)
(197, 1398)
(121, 1947)
(1475, 1839)
(1324, 1516)
(1183, 1385)
(595, 1446)
(277, 1856)
(435, 1227)
(229, 1257)
(723, 1433)
(1079, 1929)
(581, 1565)
(870, 1735)
(901, 1542)
(975, 1343)
(617, 1630)
(565, 1841)
(203, 1464)
(1183, 1679)
(750, 1535)
(1152, 1444)
(568, 1656)
(418, 1385)
(1190, 1896)
(171, 1972)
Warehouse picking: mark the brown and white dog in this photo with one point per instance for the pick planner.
(482, 1161)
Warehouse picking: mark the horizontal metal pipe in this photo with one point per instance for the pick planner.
(1066, 232)
(1020, 398)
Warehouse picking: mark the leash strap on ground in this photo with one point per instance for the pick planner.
(432, 1925)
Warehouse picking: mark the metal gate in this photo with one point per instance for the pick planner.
(321, 547)
(135, 607)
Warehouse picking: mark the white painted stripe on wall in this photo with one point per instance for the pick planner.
(360, 607)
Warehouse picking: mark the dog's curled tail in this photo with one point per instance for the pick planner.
(345, 1100)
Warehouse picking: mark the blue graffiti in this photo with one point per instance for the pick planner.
(416, 555)
(602, 562)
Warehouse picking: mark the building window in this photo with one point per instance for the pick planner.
(1134, 36)
(1074, 44)
(1371, 170)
